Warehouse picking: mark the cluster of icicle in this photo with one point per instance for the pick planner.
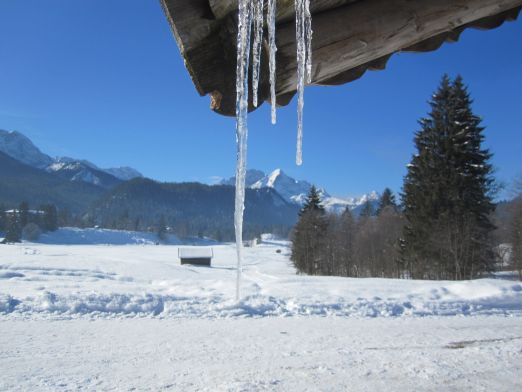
(251, 16)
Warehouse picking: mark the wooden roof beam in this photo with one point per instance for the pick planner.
(348, 40)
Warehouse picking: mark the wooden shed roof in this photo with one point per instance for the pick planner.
(350, 37)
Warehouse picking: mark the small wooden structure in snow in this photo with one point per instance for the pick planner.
(196, 255)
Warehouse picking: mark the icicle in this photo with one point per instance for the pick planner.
(308, 37)
(303, 23)
(301, 65)
(271, 18)
(251, 11)
(258, 7)
(243, 57)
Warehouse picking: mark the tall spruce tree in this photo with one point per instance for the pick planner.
(447, 193)
(313, 202)
(309, 235)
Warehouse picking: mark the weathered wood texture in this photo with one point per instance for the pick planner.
(285, 8)
(350, 37)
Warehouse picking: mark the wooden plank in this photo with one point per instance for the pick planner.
(285, 8)
(192, 23)
(374, 29)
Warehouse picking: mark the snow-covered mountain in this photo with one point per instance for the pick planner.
(292, 190)
(252, 176)
(355, 204)
(84, 171)
(295, 191)
(21, 148)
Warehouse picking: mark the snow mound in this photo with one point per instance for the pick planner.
(507, 302)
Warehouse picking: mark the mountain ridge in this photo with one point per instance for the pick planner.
(21, 148)
(296, 191)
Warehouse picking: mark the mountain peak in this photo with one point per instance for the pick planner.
(19, 147)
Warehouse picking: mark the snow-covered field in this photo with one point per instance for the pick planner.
(105, 317)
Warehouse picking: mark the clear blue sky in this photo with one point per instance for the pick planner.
(103, 80)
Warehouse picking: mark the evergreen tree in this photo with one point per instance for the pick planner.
(367, 210)
(50, 217)
(516, 239)
(313, 202)
(346, 243)
(447, 193)
(387, 199)
(23, 211)
(13, 229)
(309, 236)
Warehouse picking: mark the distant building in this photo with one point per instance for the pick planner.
(30, 212)
(196, 255)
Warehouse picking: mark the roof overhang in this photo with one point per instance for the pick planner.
(350, 37)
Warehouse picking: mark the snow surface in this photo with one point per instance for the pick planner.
(269, 354)
(103, 281)
(101, 317)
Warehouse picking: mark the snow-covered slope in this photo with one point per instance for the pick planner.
(124, 173)
(81, 170)
(296, 191)
(94, 236)
(22, 149)
(98, 236)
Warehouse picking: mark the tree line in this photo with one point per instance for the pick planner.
(24, 223)
(442, 228)
(345, 245)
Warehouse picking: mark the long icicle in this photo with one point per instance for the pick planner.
(308, 37)
(243, 57)
(271, 19)
(301, 66)
(303, 24)
(258, 7)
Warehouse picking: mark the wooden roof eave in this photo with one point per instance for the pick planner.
(350, 37)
